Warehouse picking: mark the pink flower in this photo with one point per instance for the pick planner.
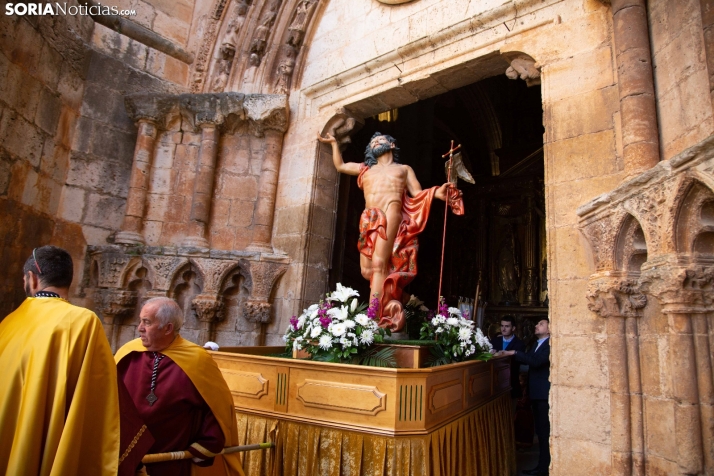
(294, 322)
(373, 308)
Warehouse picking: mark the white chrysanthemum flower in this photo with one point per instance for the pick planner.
(339, 313)
(316, 331)
(338, 329)
(438, 319)
(349, 323)
(325, 342)
(452, 321)
(454, 311)
(362, 319)
(346, 343)
(465, 334)
(367, 337)
(342, 293)
(301, 321)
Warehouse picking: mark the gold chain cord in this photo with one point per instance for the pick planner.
(133, 443)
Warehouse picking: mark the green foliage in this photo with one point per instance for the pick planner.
(375, 357)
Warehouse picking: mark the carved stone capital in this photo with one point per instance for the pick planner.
(681, 289)
(267, 112)
(263, 276)
(612, 296)
(523, 67)
(342, 125)
(116, 304)
(256, 311)
(208, 308)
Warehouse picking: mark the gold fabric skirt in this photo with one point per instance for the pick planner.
(480, 443)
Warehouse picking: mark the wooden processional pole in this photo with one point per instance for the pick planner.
(449, 154)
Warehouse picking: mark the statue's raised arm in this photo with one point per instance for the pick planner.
(396, 211)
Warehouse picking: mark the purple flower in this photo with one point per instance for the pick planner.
(325, 321)
(294, 322)
(443, 307)
(373, 307)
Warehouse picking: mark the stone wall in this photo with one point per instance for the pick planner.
(65, 138)
(43, 64)
(679, 57)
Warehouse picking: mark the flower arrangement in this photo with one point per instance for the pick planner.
(338, 329)
(457, 339)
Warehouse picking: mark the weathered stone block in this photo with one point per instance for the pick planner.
(22, 138)
(238, 187)
(570, 195)
(170, 27)
(72, 204)
(223, 239)
(54, 161)
(48, 111)
(584, 114)
(573, 260)
(104, 211)
(241, 213)
(660, 424)
(588, 71)
(102, 176)
(290, 220)
(595, 428)
(585, 156)
(50, 66)
(571, 454)
(22, 92)
(586, 357)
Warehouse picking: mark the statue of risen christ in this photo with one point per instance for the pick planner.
(396, 212)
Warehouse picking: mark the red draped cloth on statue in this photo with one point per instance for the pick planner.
(415, 212)
(178, 419)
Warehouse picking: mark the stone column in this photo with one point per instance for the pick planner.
(530, 274)
(687, 299)
(203, 186)
(131, 229)
(687, 422)
(267, 190)
(617, 298)
(640, 134)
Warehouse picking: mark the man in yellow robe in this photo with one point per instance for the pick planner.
(59, 403)
(180, 393)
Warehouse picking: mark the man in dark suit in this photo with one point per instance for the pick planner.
(508, 341)
(538, 361)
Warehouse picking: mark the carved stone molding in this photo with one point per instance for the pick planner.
(116, 304)
(681, 289)
(264, 111)
(615, 297)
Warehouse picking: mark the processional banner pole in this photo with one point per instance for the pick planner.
(178, 455)
(450, 155)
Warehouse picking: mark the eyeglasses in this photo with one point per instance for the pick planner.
(36, 264)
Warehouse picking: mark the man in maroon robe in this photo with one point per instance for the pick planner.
(179, 392)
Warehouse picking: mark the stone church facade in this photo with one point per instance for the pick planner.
(179, 158)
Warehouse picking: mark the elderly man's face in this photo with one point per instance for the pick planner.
(153, 337)
(380, 145)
